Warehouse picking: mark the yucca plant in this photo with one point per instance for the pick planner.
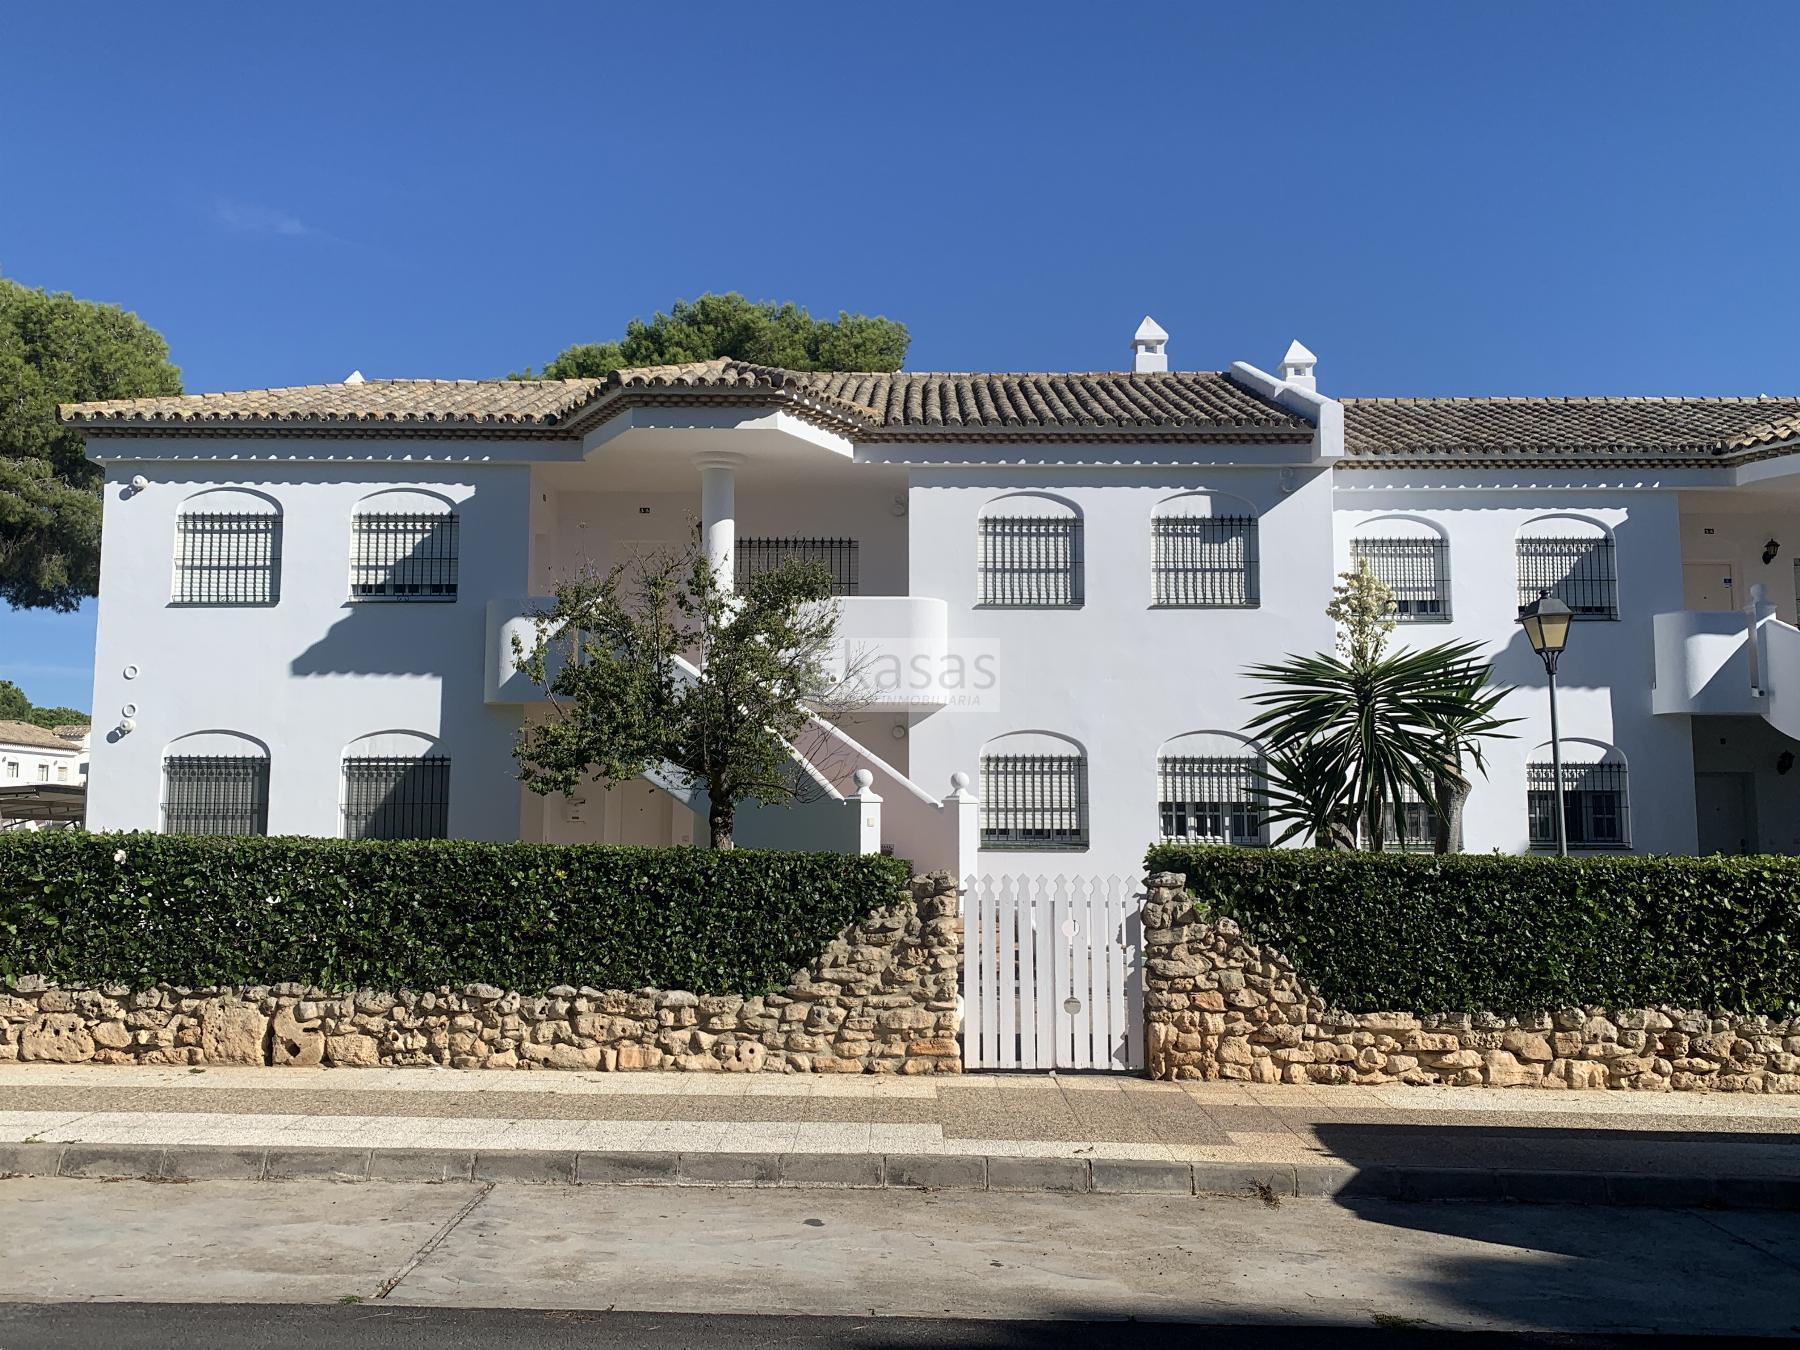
(1350, 733)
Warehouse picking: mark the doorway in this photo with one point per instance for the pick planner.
(1725, 811)
(1707, 585)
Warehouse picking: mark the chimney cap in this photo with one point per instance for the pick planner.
(1147, 354)
(1297, 355)
(354, 377)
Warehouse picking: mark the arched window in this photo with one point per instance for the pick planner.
(403, 546)
(227, 549)
(1596, 800)
(1203, 552)
(1412, 559)
(1034, 793)
(396, 786)
(1030, 553)
(1572, 559)
(216, 782)
(1207, 790)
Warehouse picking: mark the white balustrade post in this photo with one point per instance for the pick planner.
(964, 811)
(1755, 613)
(867, 804)
(718, 514)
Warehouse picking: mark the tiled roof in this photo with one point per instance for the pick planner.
(24, 733)
(1552, 428)
(71, 731)
(439, 405)
(1167, 401)
(1175, 404)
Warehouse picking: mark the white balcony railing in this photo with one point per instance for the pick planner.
(1726, 663)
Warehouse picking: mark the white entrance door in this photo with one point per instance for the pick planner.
(1708, 586)
(1052, 974)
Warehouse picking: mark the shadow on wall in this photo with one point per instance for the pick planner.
(406, 615)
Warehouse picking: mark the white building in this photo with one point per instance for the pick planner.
(308, 594)
(42, 773)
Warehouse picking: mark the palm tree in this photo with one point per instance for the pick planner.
(1352, 736)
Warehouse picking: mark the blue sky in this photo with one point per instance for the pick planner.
(1437, 199)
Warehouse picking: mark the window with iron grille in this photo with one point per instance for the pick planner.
(1210, 799)
(1417, 571)
(1204, 561)
(403, 557)
(1031, 561)
(215, 794)
(1577, 571)
(223, 559)
(1034, 802)
(394, 797)
(1420, 819)
(837, 556)
(1596, 809)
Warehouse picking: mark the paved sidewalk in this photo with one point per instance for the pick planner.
(1102, 1133)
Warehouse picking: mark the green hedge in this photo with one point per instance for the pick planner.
(1388, 931)
(143, 908)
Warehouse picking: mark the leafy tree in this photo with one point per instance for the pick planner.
(611, 653)
(15, 707)
(1355, 732)
(57, 349)
(759, 331)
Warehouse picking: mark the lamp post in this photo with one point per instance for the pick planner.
(1546, 624)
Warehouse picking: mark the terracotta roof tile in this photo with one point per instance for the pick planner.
(445, 404)
(1166, 403)
(1702, 428)
(25, 733)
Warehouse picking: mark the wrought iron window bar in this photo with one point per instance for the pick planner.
(397, 797)
(1417, 571)
(1205, 562)
(227, 559)
(1030, 562)
(1577, 571)
(1037, 802)
(1211, 799)
(1596, 805)
(403, 557)
(215, 794)
(753, 557)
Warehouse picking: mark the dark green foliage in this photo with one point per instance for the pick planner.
(15, 707)
(417, 915)
(1485, 932)
(57, 349)
(758, 331)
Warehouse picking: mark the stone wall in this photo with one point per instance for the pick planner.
(1220, 1006)
(881, 998)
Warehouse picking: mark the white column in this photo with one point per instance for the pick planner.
(718, 513)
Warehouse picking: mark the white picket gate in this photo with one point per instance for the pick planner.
(1052, 973)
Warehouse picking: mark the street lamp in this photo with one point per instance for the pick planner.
(1546, 624)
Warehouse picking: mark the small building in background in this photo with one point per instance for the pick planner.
(43, 775)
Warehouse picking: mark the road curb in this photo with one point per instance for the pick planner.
(1270, 1183)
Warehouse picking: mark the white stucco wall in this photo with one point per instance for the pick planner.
(1604, 680)
(1118, 675)
(310, 674)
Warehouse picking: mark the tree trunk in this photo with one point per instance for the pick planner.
(1448, 807)
(719, 820)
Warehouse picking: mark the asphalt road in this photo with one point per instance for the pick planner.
(156, 1326)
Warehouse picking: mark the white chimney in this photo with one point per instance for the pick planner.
(1297, 367)
(1147, 343)
(354, 377)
